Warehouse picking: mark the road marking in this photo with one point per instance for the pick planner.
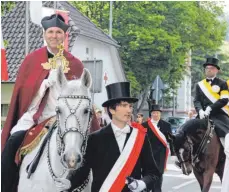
(172, 167)
(216, 187)
(184, 184)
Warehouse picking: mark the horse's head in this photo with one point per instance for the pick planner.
(74, 113)
(183, 147)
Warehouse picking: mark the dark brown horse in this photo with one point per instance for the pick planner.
(198, 148)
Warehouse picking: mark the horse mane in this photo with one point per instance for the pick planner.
(191, 127)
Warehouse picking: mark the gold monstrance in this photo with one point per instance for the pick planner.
(57, 60)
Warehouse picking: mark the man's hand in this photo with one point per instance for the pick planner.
(62, 184)
(136, 185)
(201, 114)
(207, 111)
(52, 78)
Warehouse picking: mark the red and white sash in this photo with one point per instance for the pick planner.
(161, 138)
(125, 164)
(213, 95)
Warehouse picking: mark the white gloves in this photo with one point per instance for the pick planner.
(136, 185)
(201, 114)
(62, 184)
(207, 111)
(52, 78)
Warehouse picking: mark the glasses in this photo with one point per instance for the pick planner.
(211, 68)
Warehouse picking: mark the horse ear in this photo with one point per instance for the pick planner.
(86, 78)
(61, 77)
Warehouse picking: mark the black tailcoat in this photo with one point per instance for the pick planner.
(219, 117)
(102, 153)
(158, 149)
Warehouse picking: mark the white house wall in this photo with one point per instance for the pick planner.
(111, 62)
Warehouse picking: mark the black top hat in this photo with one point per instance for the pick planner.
(54, 20)
(118, 91)
(155, 108)
(212, 61)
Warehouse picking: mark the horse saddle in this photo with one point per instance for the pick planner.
(32, 139)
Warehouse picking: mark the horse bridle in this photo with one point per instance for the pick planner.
(194, 158)
(60, 135)
(190, 159)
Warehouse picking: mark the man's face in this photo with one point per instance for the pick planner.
(210, 71)
(54, 36)
(99, 115)
(156, 115)
(139, 118)
(123, 112)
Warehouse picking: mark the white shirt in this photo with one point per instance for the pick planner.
(120, 135)
(26, 121)
(155, 123)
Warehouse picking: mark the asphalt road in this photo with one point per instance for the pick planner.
(175, 181)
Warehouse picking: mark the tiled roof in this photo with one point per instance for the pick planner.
(13, 30)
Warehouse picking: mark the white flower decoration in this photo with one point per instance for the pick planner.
(215, 88)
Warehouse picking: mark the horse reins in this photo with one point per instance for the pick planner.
(206, 139)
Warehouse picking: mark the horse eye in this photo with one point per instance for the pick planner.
(86, 111)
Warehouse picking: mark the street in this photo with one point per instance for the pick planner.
(175, 181)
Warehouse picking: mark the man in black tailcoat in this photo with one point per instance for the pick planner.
(157, 131)
(119, 155)
(211, 98)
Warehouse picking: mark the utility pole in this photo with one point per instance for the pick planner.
(110, 20)
(26, 28)
(157, 89)
(54, 5)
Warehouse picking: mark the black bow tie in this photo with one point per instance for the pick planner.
(209, 80)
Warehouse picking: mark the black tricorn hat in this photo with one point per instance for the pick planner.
(155, 107)
(118, 91)
(212, 61)
(54, 20)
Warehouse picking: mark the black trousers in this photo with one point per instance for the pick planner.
(158, 185)
(9, 169)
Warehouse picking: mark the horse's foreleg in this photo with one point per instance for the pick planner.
(207, 180)
(199, 177)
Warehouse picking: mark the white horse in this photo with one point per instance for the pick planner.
(65, 149)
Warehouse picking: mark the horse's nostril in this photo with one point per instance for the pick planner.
(64, 157)
(79, 159)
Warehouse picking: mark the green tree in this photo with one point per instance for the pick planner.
(155, 36)
(6, 6)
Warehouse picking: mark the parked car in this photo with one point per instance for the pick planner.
(176, 122)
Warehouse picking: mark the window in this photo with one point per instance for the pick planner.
(4, 109)
(96, 69)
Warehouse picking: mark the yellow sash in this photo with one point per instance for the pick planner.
(211, 95)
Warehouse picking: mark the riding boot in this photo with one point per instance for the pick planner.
(9, 168)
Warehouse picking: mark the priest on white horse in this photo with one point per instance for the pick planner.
(35, 96)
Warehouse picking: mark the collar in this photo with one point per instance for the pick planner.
(154, 122)
(211, 78)
(50, 51)
(118, 130)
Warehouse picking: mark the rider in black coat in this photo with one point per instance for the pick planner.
(212, 97)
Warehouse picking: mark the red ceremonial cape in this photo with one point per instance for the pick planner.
(30, 76)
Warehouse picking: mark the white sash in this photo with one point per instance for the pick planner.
(120, 163)
(160, 134)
